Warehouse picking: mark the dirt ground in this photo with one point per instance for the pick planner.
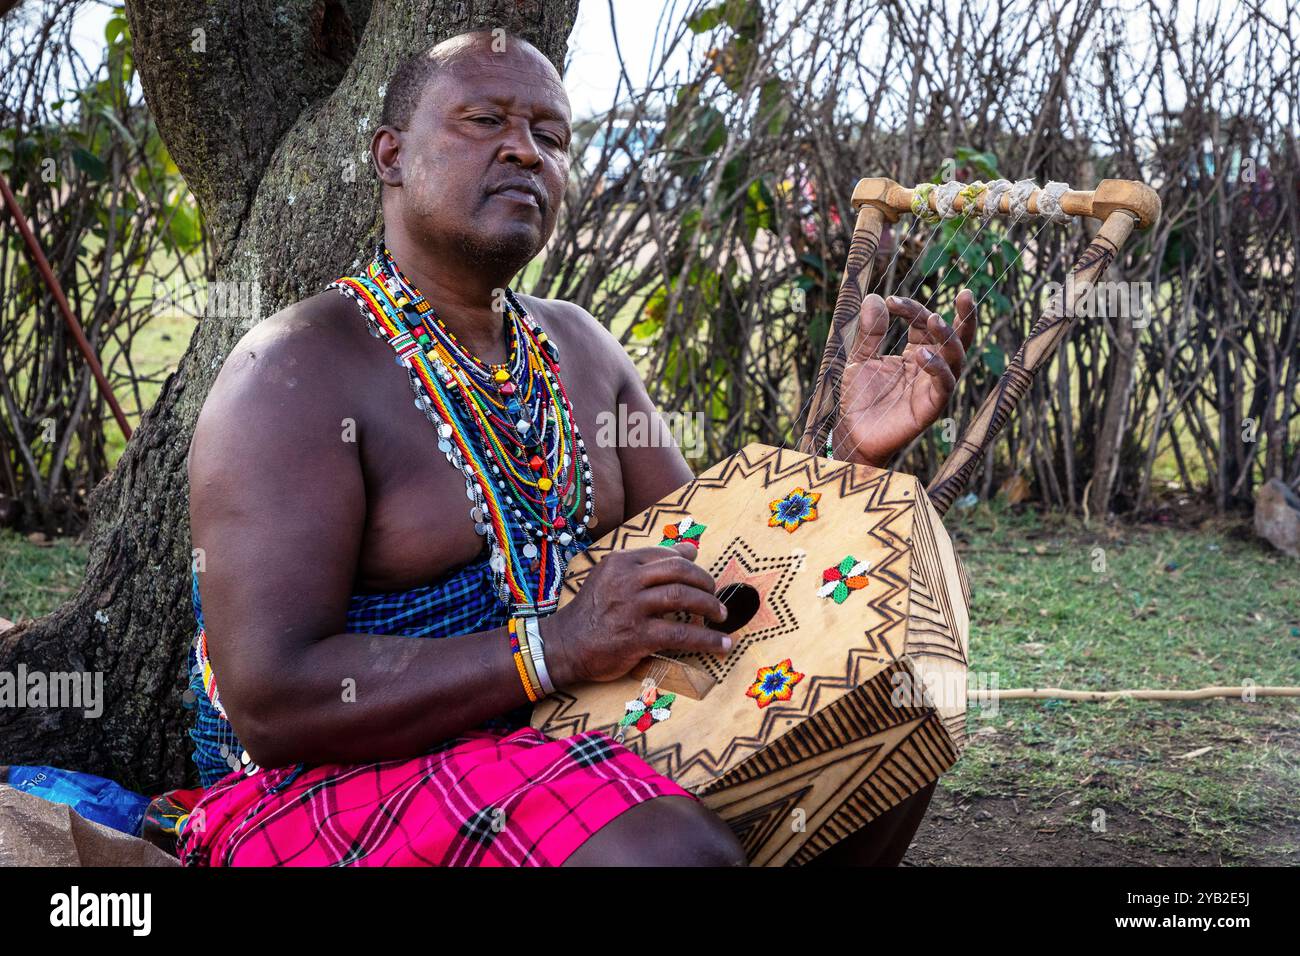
(1010, 831)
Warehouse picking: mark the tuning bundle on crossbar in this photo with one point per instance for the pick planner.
(1120, 205)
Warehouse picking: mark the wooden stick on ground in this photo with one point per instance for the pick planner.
(1203, 693)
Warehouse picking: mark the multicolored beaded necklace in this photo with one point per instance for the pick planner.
(507, 428)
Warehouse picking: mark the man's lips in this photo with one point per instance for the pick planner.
(519, 191)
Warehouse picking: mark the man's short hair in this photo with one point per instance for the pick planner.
(406, 85)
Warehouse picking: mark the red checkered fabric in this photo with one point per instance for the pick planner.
(483, 799)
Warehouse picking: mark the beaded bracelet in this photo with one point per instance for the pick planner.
(518, 654)
(530, 665)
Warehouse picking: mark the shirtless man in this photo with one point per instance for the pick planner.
(295, 519)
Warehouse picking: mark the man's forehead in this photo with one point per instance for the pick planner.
(503, 79)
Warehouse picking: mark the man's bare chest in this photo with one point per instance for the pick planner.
(418, 523)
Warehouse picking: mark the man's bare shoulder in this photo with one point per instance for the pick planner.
(573, 326)
(304, 347)
(290, 371)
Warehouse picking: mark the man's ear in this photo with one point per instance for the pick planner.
(385, 155)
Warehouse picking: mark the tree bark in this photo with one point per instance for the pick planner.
(267, 109)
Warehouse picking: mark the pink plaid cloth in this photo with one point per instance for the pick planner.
(483, 799)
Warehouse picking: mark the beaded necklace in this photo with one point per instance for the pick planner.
(508, 428)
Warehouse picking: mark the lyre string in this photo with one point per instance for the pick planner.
(898, 248)
(842, 348)
(939, 286)
(952, 329)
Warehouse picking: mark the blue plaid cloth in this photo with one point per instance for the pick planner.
(460, 602)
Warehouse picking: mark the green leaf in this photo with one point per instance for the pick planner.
(116, 123)
(757, 213)
(814, 260)
(773, 111)
(709, 131)
(115, 29)
(646, 329)
(930, 261)
(707, 19)
(90, 164)
(184, 228)
(995, 359)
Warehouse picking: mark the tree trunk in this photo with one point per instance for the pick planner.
(267, 109)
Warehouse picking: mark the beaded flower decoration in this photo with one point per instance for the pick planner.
(507, 428)
(774, 683)
(840, 580)
(688, 529)
(651, 707)
(793, 510)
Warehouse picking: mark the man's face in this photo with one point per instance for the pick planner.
(486, 158)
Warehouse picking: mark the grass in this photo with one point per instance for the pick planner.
(1174, 608)
(35, 579)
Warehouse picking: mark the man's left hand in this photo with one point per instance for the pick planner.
(887, 400)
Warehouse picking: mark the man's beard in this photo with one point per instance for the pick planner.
(500, 255)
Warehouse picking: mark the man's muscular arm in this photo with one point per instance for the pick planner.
(278, 505)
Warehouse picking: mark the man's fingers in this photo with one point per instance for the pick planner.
(682, 549)
(950, 348)
(686, 636)
(670, 598)
(908, 309)
(966, 318)
(873, 323)
(933, 365)
(678, 570)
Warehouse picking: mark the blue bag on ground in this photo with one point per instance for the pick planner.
(94, 798)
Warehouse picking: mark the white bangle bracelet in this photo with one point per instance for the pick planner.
(538, 650)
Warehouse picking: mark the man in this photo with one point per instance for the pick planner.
(328, 523)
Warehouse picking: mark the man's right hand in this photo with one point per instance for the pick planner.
(619, 615)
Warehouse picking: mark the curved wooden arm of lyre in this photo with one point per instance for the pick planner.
(1120, 204)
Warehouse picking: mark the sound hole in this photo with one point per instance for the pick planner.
(742, 604)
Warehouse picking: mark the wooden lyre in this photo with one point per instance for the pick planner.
(845, 688)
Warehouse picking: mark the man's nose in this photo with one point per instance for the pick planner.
(520, 147)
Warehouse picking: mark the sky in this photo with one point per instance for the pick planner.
(592, 76)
